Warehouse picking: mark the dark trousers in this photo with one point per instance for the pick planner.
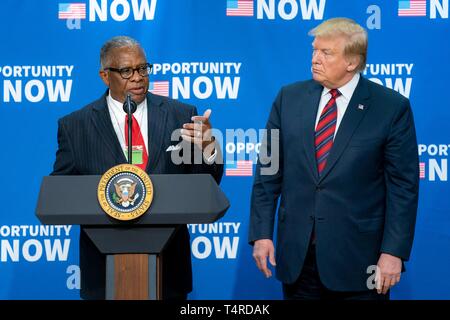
(309, 287)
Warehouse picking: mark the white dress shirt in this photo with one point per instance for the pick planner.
(341, 102)
(118, 120)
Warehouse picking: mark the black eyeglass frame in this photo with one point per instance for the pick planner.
(147, 67)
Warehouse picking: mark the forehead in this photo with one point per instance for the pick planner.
(333, 43)
(127, 56)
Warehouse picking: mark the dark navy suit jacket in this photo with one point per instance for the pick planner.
(365, 201)
(88, 145)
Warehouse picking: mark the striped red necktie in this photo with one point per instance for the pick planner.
(325, 130)
(140, 155)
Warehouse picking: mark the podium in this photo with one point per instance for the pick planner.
(134, 249)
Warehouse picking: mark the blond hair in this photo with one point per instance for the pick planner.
(356, 44)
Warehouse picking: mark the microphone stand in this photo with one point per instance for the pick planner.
(130, 107)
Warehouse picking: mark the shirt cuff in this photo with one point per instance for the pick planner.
(210, 159)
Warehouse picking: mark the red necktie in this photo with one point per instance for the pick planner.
(138, 141)
(325, 130)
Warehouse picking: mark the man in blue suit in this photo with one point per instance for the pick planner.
(347, 178)
(93, 139)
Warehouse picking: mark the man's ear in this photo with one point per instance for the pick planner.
(105, 77)
(352, 63)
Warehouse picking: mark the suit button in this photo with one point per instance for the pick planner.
(311, 218)
(319, 188)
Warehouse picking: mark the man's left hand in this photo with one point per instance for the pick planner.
(199, 133)
(388, 274)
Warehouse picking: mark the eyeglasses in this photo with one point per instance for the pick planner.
(127, 72)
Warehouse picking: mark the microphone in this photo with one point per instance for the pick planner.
(129, 106)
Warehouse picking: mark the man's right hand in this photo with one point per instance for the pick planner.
(261, 250)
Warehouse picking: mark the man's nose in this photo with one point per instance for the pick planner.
(315, 57)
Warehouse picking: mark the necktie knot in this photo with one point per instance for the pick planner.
(132, 117)
(335, 93)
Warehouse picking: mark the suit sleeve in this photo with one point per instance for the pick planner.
(402, 184)
(215, 168)
(64, 163)
(268, 178)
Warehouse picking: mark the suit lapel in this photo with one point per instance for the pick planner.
(102, 122)
(156, 118)
(356, 110)
(309, 120)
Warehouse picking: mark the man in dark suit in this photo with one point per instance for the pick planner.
(93, 139)
(348, 177)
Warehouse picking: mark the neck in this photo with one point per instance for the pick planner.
(348, 77)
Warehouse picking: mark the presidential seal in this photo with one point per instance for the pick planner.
(125, 192)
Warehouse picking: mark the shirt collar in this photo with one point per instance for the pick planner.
(347, 89)
(116, 105)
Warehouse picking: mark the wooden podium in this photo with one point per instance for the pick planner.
(134, 249)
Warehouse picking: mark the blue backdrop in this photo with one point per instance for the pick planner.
(213, 54)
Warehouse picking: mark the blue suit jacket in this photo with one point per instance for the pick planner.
(365, 201)
(88, 145)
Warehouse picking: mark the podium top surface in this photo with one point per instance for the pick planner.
(177, 199)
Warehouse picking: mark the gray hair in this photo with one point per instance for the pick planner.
(356, 35)
(116, 42)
